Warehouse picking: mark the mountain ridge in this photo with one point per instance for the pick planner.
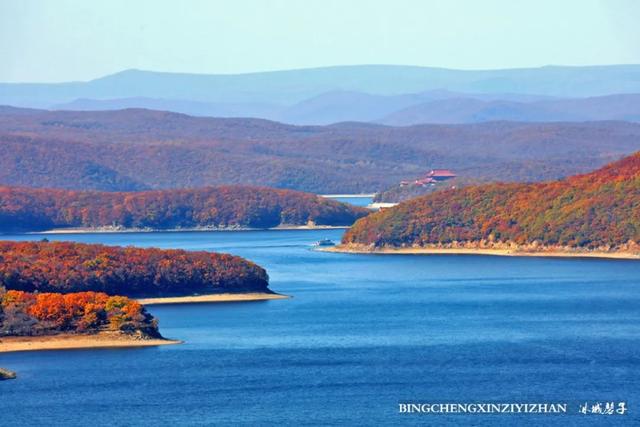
(292, 86)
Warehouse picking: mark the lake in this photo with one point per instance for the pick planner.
(354, 200)
(362, 334)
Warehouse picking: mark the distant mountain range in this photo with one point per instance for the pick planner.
(137, 149)
(398, 95)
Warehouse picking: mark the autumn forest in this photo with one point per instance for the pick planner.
(67, 267)
(23, 313)
(595, 210)
(28, 209)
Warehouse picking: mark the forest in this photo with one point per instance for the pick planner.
(29, 314)
(595, 210)
(66, 267)
(135, 149)
(28, 209)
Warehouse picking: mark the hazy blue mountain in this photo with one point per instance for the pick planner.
(286, 88)
(342, 106)
(327, 108)
(192, 108)
(399, 110)
(466, 110)
(7, 110)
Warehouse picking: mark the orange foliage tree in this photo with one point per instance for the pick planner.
(23, 313)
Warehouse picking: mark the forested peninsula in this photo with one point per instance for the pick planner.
(29, 314)
(54, 321)
(592, 214)
(226, 207)
(60, 295)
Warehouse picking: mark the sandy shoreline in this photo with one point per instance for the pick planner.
(482, 251)
(256, 296)
(87, 230)
(76, 341)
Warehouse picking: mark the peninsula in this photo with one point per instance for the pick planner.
(48, 321)
(591, 215)
(211, 208)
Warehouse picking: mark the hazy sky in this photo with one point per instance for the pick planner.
(61, 40)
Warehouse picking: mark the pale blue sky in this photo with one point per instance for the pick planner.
(62, 40)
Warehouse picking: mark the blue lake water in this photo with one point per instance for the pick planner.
(357, 201)
(362, 334)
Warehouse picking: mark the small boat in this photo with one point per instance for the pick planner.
(324, 242)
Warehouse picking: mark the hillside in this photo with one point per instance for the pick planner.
(599, 210)
(129, 150)
(28, 314)
(28, 209)
(67, 267)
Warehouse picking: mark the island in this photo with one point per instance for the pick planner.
(594, 214)
(211, 208)
(47, 321)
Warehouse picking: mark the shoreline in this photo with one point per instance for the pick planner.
(78, 342)
(97, 230)
(213, 298)
(558, 253)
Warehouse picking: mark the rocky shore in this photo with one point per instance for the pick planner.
(6, 374)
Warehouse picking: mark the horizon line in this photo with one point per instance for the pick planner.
(323, 67)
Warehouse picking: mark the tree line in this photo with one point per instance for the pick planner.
(227, 206)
